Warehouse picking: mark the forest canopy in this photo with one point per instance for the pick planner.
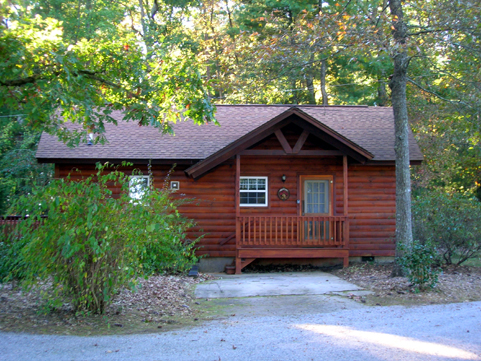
(165, 61)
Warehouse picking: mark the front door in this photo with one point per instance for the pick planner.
(316, 202)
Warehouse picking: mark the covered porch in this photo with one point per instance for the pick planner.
(291, 190)
(265, 235)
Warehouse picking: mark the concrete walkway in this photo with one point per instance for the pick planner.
(273, 284)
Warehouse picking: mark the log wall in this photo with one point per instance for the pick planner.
(371, 198)
(372, 210)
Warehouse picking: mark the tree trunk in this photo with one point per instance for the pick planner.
(325, 99)
(310, 83)
(382, 97)
(397, 84)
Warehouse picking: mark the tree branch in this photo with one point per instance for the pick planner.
(155, 9)
(20, 82)
(33, 79)
(436, 94)
(430, 31)
(89, 74)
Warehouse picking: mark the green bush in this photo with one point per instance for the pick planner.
(11, 259)
(418, 262)
(92, 244)
(451, 222)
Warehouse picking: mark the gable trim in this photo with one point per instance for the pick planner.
(300, 142)
(315, 127)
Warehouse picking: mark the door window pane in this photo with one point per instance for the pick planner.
(316, 196)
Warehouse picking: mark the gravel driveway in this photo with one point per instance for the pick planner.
(439, 332)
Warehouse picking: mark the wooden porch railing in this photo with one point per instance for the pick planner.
(292, 231)
(8, 224)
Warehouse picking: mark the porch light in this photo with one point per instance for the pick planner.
(283, 178)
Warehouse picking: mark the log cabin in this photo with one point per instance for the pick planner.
(272, 182)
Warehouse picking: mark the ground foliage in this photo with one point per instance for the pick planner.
(19, 170)
(420, 264)
(91, 244)
(160, 303)
(451, 223)
(456, 284)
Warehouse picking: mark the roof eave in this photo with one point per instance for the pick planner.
(134, 161)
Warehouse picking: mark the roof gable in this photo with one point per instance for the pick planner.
(291, 115)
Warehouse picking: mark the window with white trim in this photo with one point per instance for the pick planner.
(138, 186)
(253, 191)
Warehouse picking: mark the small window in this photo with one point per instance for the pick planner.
(138, 186)
(253, 191)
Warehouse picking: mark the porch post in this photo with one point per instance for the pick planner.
(346, 207)
(238, 262)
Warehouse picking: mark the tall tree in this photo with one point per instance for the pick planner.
(397, 84)
(137, 62)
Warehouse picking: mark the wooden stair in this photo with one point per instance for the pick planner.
(231, 269)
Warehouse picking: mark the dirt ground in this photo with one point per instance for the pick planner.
(161, 303)
(460, 284)
(167, 302)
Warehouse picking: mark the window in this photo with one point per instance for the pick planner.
(253, 191)
(138, 186)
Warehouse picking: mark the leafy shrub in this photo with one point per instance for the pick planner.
(11, 260)
(418, 262)
(92, 244)
(451, 222)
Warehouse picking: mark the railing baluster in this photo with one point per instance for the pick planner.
(297, 231)
(313, 229)
(339, 232)
(319, 235)
(260, 231)
(334, 236)
(291, 236)
(308, 230)
(270, 230)
(282, 221)
(275, 229)
(324, 233)
(265, 230)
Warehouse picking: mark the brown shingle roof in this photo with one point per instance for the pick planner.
(371, 128)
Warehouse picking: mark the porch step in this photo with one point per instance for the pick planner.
(231, 268)
(241, 263)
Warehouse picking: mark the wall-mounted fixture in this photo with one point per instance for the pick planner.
(175, 185)
(90, 138)
(283, 178)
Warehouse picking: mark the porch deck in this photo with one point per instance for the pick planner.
(280, 236)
